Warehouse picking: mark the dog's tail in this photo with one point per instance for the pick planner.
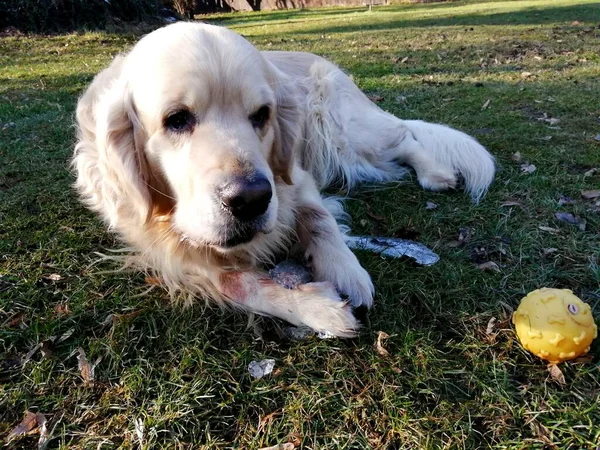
(456, 152)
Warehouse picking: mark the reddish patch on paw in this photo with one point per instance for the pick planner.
(232, 285)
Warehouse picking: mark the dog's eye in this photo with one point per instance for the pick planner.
(260, 117)
(180, 121)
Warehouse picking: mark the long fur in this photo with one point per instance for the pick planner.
(156, 189)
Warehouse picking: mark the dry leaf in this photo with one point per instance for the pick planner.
(585, 359)
(527, 168)
(28, 425)
(62, 309)
(565, 200)
(549, 251)
(526, 74)
(375, 98)
(549, 229)
(510, 203)
(486, 104)
(516, 157)
(16, 320)
(489, 266)
(286, 446)
(570, 218)
(591, 172)
(46, 348)
(556, 374)
(431, 205)
(86, 369)
(490, 326)
(590, 195)
(381, 336)
(53, 277)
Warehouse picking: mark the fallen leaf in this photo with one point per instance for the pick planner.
(556, 374)
(570, 218)
(260, 369)
(66, 335)
(585, 359)
(381, 336)
(564, 200)
(431, 205)
(591, 172)
(549, 229)
(491, 326)
(86, 369)
(489, 266)
(590, 195)
(62, 309)
(16, 320)
(286, 446)
(375, 98)
(29, 425)
(516, 157)
(549, 251)
(527, 168)
(53, 277)
(526, 74)
(510, 203)
(486, 104)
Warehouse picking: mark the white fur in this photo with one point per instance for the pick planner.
(157, 189)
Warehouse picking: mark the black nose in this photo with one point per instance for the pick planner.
(247, 198)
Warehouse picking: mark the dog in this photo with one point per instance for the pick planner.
(207, 157)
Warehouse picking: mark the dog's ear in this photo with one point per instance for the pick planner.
(112, 172)
(287, 128)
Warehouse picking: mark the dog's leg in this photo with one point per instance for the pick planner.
(325, 250)
(316, 305)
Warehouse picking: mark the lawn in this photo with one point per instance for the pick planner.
(522, 76)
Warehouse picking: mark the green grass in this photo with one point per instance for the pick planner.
(446, 383)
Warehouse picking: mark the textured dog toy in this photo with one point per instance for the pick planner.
(555, 325)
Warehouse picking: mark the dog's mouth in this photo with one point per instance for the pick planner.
(235, 238)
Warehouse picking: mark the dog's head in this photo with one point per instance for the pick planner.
(193, 126)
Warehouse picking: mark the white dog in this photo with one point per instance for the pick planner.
(207, 157)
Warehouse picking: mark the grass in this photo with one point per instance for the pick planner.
(496, 70)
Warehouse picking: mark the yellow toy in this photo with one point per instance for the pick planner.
(555, 325)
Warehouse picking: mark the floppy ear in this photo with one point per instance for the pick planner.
(287, 129)
(112, 173)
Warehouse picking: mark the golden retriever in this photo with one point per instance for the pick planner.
(207, 157)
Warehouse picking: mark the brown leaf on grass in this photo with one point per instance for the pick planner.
(62, 309)
(381, 336)
(431, 205)
(30, 424)
(375, 98)
(86, 369)
(527, 168)
(549, 229)
(590, 195)
(16, 320)
(510, 203)
(489, 266)
(516, 157)
(47, 348)
(571, 219)
(585, 359)
(556, 374)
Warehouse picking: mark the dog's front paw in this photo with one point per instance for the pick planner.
(324, 311)
(341, 267)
